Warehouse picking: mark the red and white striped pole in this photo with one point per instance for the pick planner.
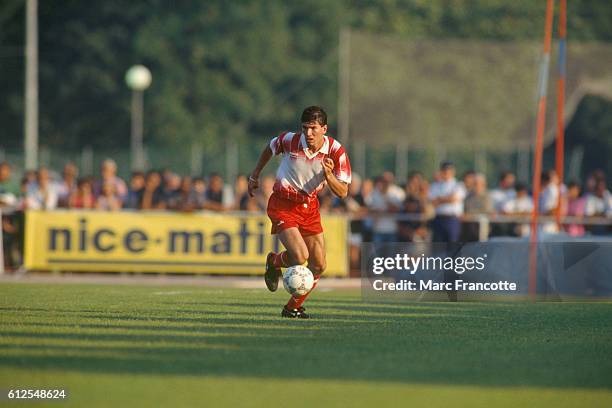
(537, 165)
(559, 161)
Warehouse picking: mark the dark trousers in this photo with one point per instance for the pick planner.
(447, 229)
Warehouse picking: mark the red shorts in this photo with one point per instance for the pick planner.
(288, 214)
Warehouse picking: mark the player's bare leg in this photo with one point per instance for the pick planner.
(315, 245)
(296, 253)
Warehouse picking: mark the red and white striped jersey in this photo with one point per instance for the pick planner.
(300, 175)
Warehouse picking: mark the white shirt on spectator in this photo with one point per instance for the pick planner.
(598, 205)
(549, 198)
(444, 189)
(39, 200)
(379, 201)
(518, 205)
(499, 197)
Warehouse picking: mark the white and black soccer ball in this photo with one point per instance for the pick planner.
(298, 280)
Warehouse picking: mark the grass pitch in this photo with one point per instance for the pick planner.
(194, 346)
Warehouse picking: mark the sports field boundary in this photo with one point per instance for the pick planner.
(214, 281)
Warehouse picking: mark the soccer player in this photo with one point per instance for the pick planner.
(311, 159)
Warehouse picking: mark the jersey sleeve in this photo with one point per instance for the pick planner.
(342, 165)
(277, 145)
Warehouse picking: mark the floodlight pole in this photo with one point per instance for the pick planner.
(138, 162)
(30, 144)
(138, 78)
(537, 167)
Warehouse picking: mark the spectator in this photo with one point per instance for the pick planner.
(447, 197)
(575, 208)
(9, 190)
(151, 197)
(170, 190)
(394, 189)
(549, 196)
(108, 200)
(199, 192)
(367, 186)
(469, 181)
(82, 196)
(67, 185)
(31, 177)
(520, 205)
(549, 199)
(591, 181)
(214, 193)
(137, 183)
(505, 191)
(599, 202)
(241, 194)
(42, 195)
(108, 172)
(415, 204)
(384, 200)
(354, 205)
(185, 199)
(478, 201)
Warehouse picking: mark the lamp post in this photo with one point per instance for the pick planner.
(30, 143)
(138, 78)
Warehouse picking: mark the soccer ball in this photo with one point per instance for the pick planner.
(298, 280)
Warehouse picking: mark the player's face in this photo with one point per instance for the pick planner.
(314, 132)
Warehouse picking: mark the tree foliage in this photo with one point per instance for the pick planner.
(225, 68)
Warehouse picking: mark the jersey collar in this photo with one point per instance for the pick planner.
(324, 149)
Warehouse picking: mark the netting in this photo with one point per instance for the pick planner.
(462, 94)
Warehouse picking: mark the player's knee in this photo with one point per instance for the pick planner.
(318, 267)
(300, 256)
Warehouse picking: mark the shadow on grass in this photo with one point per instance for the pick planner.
(431, 343)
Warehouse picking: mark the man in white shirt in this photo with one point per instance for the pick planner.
(384, 200)
(522, 204)
(504, 192)
(447, 197)
(42, 195)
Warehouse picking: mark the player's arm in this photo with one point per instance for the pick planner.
(264, 158)
(339, 188)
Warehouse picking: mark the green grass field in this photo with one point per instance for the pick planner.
(195, 346)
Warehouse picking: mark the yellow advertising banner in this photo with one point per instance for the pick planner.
(163, 242)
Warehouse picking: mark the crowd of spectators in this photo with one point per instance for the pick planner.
(380, 196)
(382, 210)
(166, 190)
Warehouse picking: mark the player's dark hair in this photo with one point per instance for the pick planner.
(314, 114)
